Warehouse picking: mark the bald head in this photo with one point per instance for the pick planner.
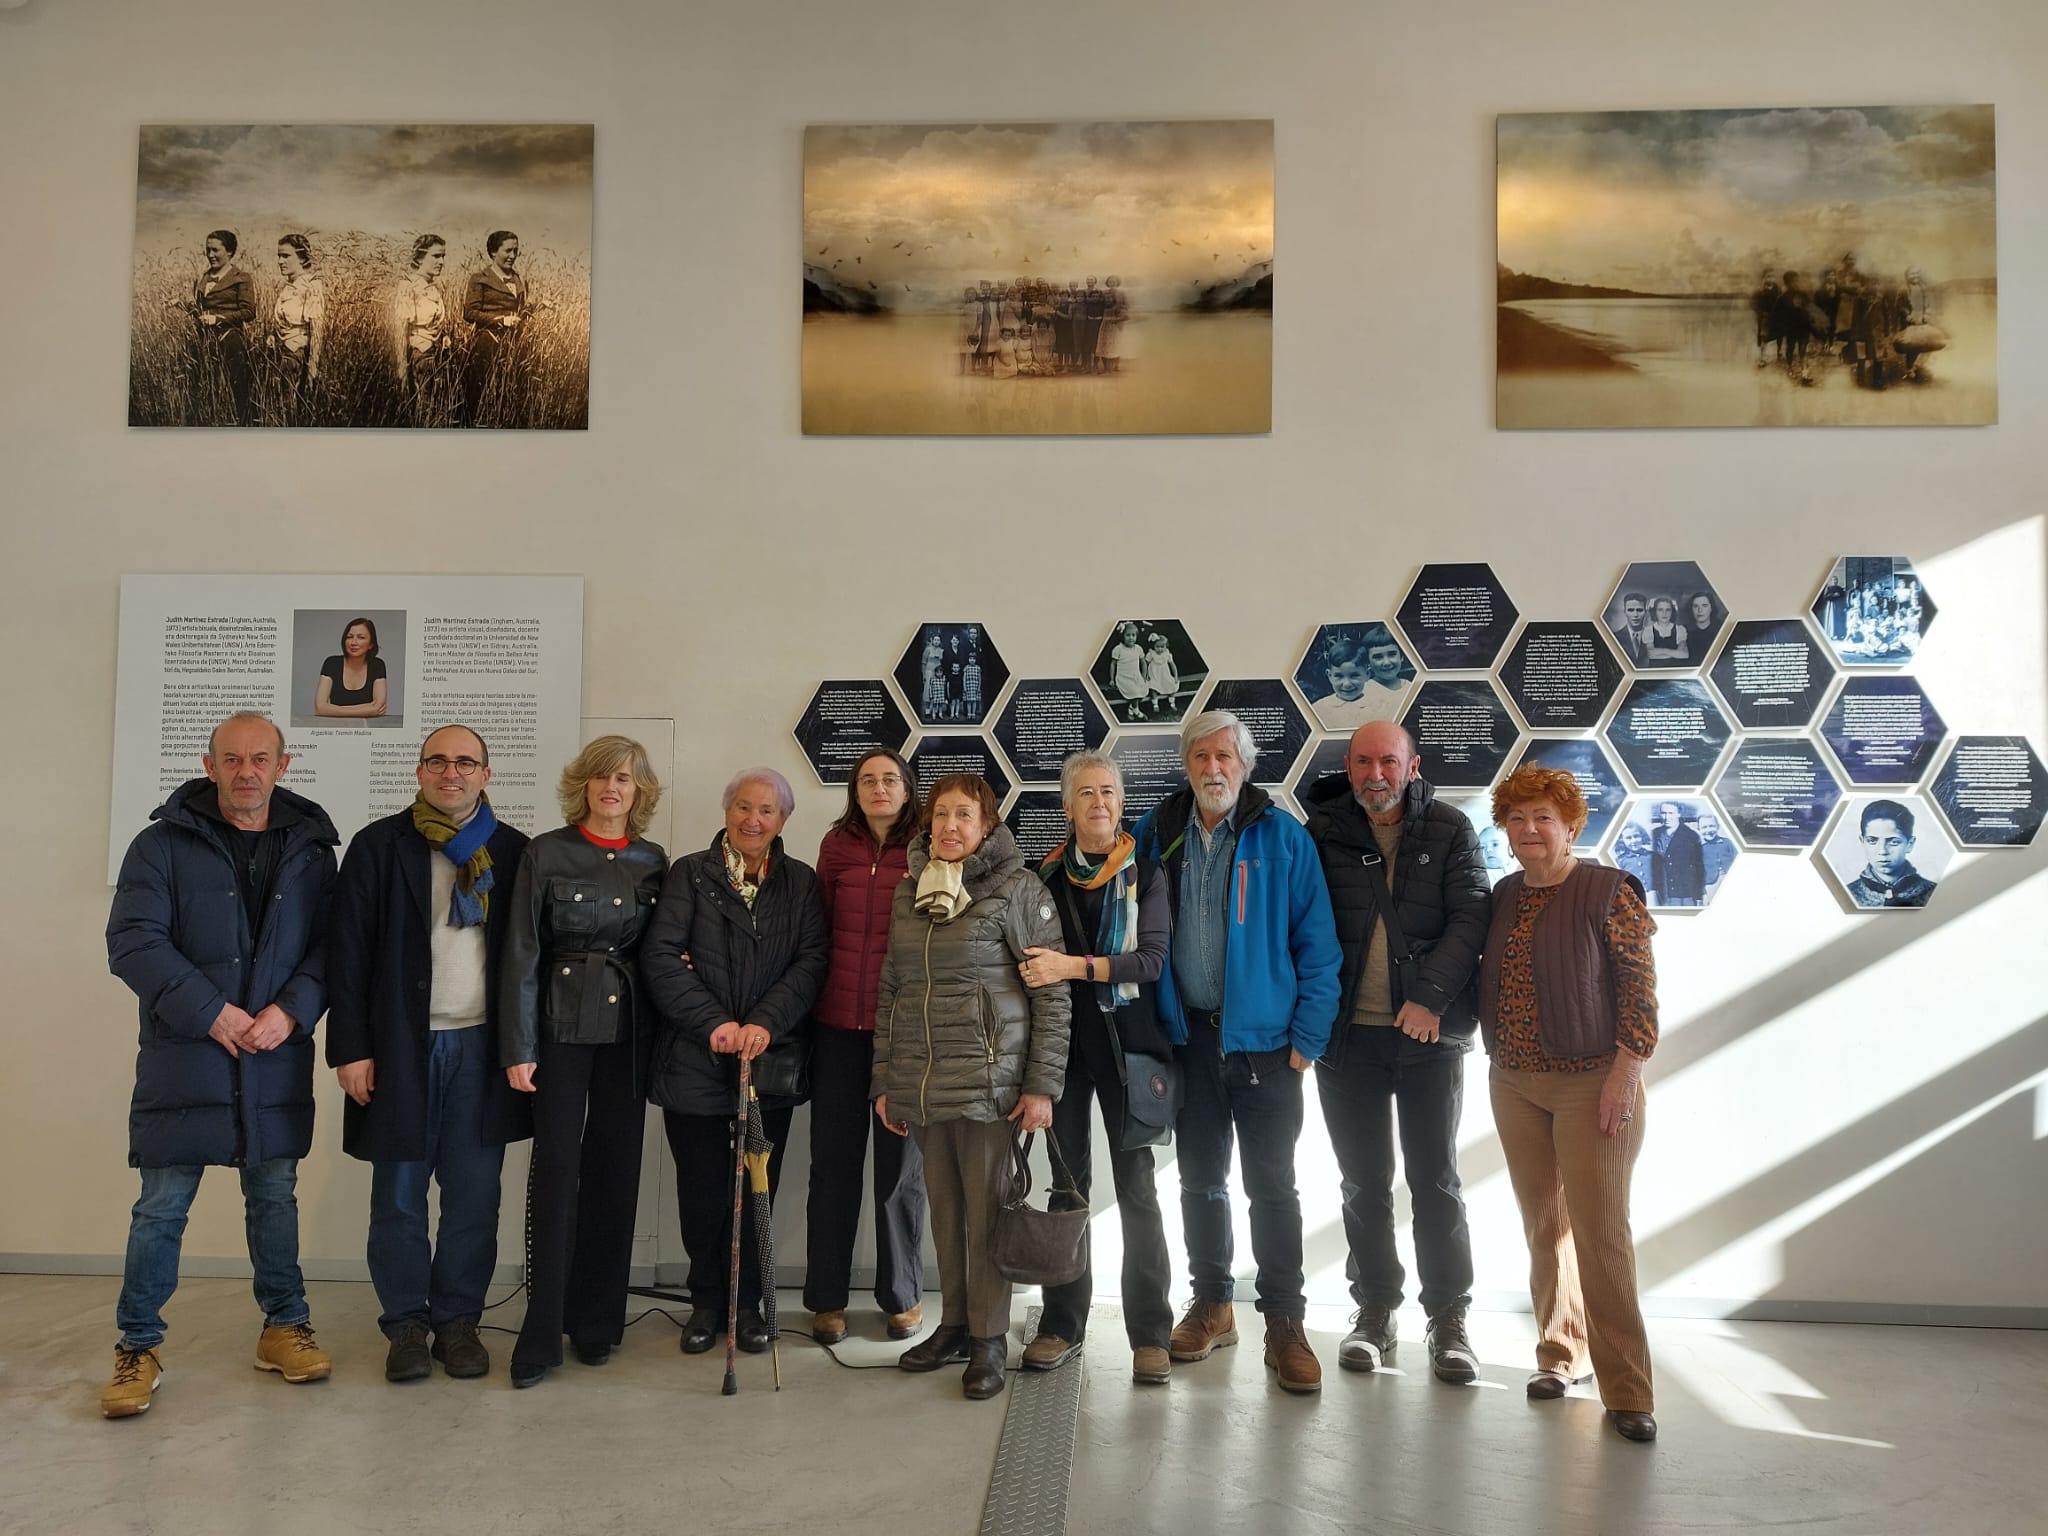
(1380, 764)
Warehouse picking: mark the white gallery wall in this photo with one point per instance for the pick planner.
(1845, 1114)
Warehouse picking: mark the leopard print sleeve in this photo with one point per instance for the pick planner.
(1627, 932)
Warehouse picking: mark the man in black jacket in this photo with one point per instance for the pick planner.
(1403, 1027)
(216, 928)
(418, 924)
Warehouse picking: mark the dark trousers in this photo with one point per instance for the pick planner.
(1386, 1073)
(222, 377)
(842, 1064)
(581, 1193)
(1092, 1071)
(416, 1283)
(703, 1149)
(1253, 1098)
(487, 349)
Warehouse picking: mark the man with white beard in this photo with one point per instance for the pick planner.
(1248, 997)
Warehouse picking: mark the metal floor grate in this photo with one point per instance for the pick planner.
(1027, 1492)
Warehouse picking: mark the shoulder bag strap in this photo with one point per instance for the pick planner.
(1383, 903)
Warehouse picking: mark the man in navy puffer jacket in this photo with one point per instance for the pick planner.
(216, 927)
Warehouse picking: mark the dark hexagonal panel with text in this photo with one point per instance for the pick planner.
(936, 756)
(846, 720)
(1269, 712)
(1457, 616)
(1462, 731)
(1773, 674)
(1668, 732)
(1993, 792)
(1046, 721)
(1883, 730)
(1777, 791)
(1561, 675)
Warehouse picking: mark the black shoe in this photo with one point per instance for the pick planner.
(948, 1345)
(986, 1360)
(1634, 1426)
(460, 1351)
(593, 1354)
(1370, 1343)
(1450, 1351)
(754, 1332)
(525, 1374)
(702, 1331)
(1546, 1386)
(408, 1359)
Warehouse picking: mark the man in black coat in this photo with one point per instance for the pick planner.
(1403, 1027)
(418, 924)
(216, 928)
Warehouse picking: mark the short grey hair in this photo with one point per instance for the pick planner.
(1090, 757)
(1208, 723)
(784, 795)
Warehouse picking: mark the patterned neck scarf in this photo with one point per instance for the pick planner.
(745, 886)
(1116, 876)
(466, 847)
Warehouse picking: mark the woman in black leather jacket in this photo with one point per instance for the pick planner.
(571, 1037)
(732, 966)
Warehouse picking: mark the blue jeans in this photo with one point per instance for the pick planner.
(156, 1232)
(1255, 1100)
(435, 1285)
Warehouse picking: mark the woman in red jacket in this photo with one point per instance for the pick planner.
(859, 864)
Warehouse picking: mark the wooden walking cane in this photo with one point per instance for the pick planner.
(739, 1196)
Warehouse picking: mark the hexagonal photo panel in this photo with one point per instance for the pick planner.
(1462, 731)
(1457, 617)
(1354, 673)
(1883, 730)
(844, 722)
(1668, 732)
(1148, 671)
(1676, 847)
(1993, 791)
(952, 674)
(1046, 721)
(1772, 674)
(1664, 615)
(1493, 843)
(1039, 823)
(1561, 675)
(1595, 774)
(1873, 610)
(1324, 761)
(1888, 852)
(1279, 728)
(937, 755)
(1152, 767)
(1777, 792)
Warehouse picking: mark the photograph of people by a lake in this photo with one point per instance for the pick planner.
(1038, 278)
(1804, 266)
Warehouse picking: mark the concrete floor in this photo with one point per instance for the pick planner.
(1860, 1431)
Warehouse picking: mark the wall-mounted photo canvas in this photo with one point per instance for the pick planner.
(337, 275)
(1038, 278)
(1803, 266)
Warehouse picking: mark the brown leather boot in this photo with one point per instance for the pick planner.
(986, 1360)
(1206, 1325)
(1288, 1353)
(292, 1353)
(829, 1326)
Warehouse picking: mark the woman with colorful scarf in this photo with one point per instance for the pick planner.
(731, 965)
(1114, 915)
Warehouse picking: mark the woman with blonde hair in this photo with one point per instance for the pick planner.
(1568, 1010)
(574, 1037)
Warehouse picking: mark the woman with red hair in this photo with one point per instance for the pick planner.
(1568, 1010)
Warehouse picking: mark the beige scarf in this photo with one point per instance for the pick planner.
(942, 891)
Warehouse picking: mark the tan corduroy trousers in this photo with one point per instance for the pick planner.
(966, 1173)
(1572, 1184)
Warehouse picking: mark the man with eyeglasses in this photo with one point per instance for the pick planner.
(417, 925)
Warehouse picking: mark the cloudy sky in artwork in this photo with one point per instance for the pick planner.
(1678, 202)
(389, 180)
(917, 210)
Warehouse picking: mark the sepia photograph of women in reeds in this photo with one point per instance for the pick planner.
(362, 276)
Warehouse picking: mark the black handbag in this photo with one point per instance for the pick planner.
(1034, 1247)
(1151, 1084)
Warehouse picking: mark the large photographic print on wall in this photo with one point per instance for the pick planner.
(1807, 266)
(1030, 278)
(338, 275)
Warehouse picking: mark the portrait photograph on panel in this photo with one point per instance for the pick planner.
(1354, 673)
(1664, 615)
(1796, 266)
(1677, 848)
(340, 275)
(951, 674)
(1889, 852)
(1874, 610)
(348, 668)
(1148, 671)
(1493, 842)
(1038, 278)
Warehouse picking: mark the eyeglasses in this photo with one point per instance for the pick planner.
(886, 781)
(466, 766)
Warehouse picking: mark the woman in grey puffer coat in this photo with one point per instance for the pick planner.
(964, 1052)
